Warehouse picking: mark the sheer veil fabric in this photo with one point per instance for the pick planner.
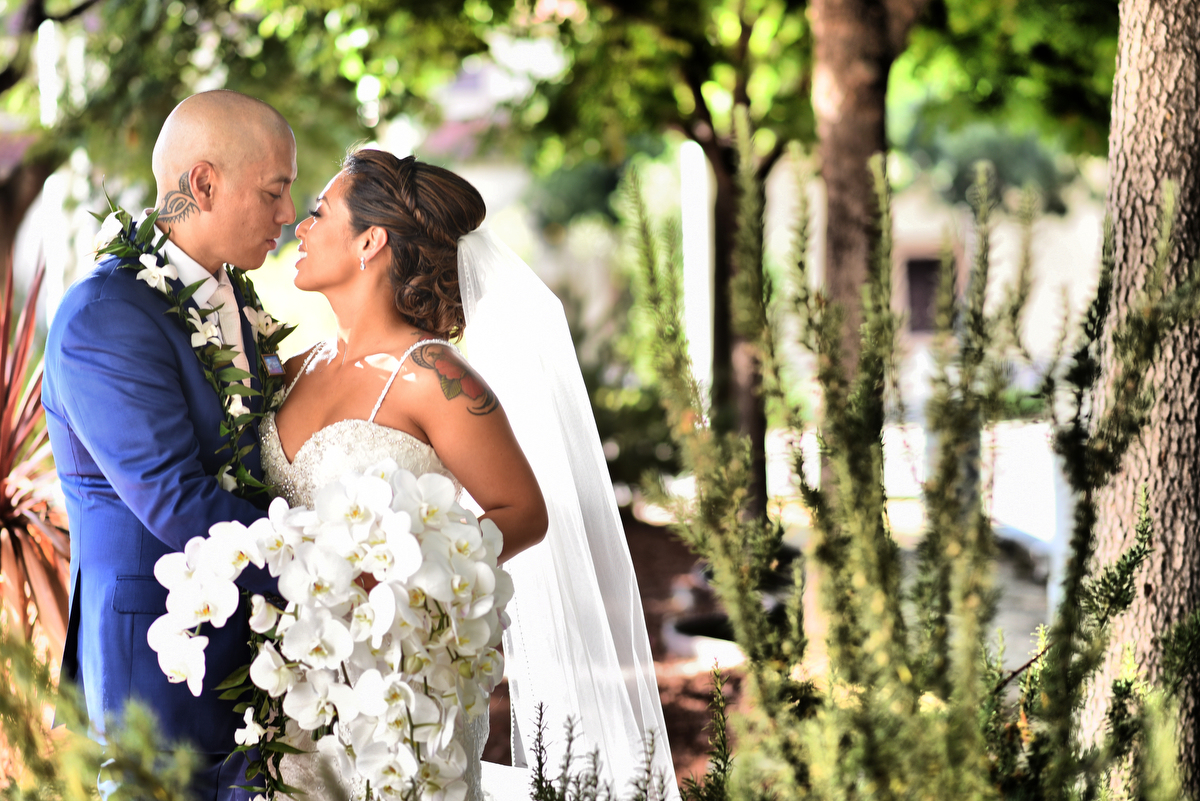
(578, 642)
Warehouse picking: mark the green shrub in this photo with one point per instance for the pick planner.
(914, 703)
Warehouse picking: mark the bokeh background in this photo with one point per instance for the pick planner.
(549, 107)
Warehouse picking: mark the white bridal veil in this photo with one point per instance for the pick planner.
(577, 643)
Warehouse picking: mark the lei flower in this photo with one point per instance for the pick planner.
(136, 246)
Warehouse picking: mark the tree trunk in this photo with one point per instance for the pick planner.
(737, 374)
(855, 43)
(17, 194)
(853, 55)
(1154, 139)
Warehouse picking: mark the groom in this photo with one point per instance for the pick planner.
(135, 427)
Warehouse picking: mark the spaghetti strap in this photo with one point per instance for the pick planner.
(396, 372)
(311, 354)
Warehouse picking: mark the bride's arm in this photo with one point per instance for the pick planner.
(463, 421)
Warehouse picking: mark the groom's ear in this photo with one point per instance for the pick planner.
(203, 179)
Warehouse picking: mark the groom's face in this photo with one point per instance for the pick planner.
(257, 204)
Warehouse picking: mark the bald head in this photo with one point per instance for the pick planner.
(223, 128)
(224, 164)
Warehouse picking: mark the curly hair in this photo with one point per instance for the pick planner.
(424, 209)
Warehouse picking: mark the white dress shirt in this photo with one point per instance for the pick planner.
(229, 319)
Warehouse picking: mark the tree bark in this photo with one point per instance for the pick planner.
(855, 43)
(737, 373)
(1155, 139)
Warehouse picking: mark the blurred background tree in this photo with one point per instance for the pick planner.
(592, 83)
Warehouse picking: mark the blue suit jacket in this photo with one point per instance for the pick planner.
(135, 430)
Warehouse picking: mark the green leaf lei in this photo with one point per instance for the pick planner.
(137, 242)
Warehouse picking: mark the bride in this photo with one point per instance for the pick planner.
(395, 246)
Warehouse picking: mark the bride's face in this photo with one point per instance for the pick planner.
(327, 241)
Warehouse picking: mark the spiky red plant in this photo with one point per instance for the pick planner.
(34, 546)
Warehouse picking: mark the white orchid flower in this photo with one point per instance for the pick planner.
(204, 598)
(270, 672)
(383, 603)
(109, 229)
(456, 790)
(471, 699)
(464, 536)
(315, 699)
(369, 693)
(462, 579)
(426, 499)
(263, 323)
(383, 470)
(251, 733)
(338, 538)
(237, 406)
(483, 592)
(331, 748)
(315, 575)
(204, 329)
(493, 540)
(277, 541)
(441, 774)
(227, 480)
(164, 632)
(409, 713)
(432, 580)
(364, 657)
(471, 636)
(362, 617)
(183, 660)
(263, 615)
(395, 554)
(318, 639)
(355, 501)
(230, 547)
(389, 768)
(489, 668)
(153, 274)
(441, 672)
(173, 569)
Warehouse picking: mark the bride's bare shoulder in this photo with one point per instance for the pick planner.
(436, 367)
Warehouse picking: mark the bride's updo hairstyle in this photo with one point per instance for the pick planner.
(424, 209)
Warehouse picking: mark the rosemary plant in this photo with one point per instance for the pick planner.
(913, 702)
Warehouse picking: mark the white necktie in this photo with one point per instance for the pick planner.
(230, 320)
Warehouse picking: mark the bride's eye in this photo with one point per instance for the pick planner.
(314, 213)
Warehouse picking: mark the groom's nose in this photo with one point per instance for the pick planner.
(287, 211)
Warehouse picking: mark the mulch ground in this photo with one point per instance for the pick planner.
(663, 565)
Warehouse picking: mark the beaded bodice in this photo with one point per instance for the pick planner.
(337, 449)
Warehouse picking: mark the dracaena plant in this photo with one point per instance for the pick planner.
(34, 548)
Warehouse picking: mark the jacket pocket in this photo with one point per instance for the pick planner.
(139, 595)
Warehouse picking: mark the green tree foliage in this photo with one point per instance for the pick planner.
(332, 69)
(1026, 64)
(914, 703)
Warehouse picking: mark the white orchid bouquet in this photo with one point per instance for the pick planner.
(381, 680)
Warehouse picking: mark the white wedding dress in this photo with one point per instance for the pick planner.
(576, 647)
(338, 448)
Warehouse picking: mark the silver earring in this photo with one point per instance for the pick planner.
(362, 262)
